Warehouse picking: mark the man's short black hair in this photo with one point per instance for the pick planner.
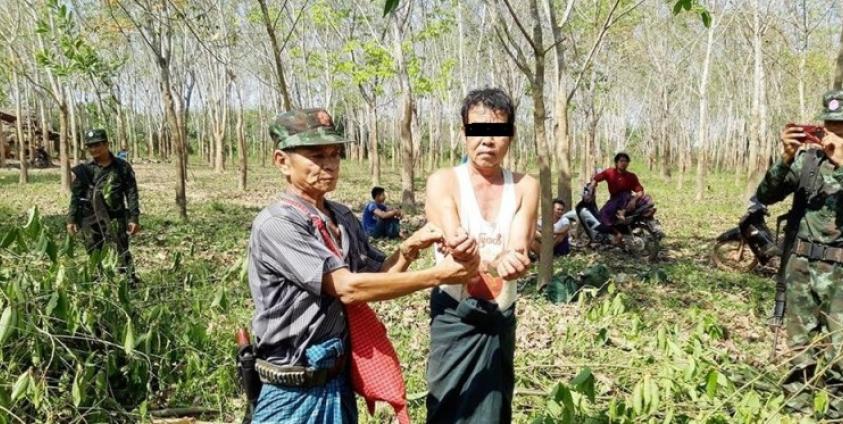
(559, 202)
(377, 191)
(622, 155)
(492, 98)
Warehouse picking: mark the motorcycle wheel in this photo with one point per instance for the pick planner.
(733, 256)
(643, 243)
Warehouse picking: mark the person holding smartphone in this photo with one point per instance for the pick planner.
(810, 169)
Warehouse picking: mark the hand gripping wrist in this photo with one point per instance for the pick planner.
(409, 253)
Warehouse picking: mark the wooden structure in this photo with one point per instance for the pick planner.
(30, 126)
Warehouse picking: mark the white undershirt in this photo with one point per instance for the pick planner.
(491, 237)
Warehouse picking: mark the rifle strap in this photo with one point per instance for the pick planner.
(804, 191)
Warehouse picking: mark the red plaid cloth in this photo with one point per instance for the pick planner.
(375, 371)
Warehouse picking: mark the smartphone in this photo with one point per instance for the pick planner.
(813, 133)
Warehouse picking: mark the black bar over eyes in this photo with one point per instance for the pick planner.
(489, 130)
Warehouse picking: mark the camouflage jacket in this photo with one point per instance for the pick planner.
(823, 220)
(115, 184)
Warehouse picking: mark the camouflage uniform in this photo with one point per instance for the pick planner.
(103, 201)
(814, 312)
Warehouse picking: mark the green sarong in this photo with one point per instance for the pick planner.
(470, 372)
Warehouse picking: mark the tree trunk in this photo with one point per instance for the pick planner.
(264, 149)
(175, 132)
(24, 174)
(74, 131)
(3, 146)
(803, 113)
(241, 145)
(560, 107)
(364, 134)
(756, 129)
(452, 144)
(63, 156)
(121, 127)
(433, 136)
(394, 124)
(161, 130)
(664, 135)
(150, 138)
(31, 121)
(543, 151)
(219, 125)
(276, 55)
(133, 137)
(408, 201)
(374, 157)
(563, 146)
(45, 134)
(838, 73)
(702, 128)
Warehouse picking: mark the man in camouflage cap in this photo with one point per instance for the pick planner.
(104, 200)
(309, 258)
(813, 273)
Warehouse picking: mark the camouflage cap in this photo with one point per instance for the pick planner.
(304, 127)
(96, 135)
(832, 106)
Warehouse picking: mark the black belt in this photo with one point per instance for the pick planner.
(818, 252)
(297, 376)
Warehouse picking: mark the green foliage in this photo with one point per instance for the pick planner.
(689, 5)
(389, 6)
(79, 342)
(67, 50)
(372, 63)
(567, 401)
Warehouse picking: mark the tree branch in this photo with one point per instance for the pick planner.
(520, 27)
(516, 53)
(155, 49)
(293, 26)
(521, 65)
(606, 25)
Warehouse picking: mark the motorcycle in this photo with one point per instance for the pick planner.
(640, 230)
(751, 243)
(40, 163)
(41, 159)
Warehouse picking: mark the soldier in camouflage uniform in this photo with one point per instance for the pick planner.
(814, 271)
(104, 200)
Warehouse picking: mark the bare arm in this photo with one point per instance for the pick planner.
(513, 264)
(440, 207)
(409, 249)
(558, 237)
(442, 210)
(386, 214)
(367, 287)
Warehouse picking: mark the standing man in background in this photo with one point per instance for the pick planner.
(104, 200)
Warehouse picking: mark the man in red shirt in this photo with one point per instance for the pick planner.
(625, 191)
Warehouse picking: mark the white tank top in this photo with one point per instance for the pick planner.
(491, 237)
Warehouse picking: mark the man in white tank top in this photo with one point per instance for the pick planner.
(488, 211)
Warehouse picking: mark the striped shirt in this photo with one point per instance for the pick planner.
(287, 259)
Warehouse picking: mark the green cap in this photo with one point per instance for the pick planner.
(304, 127)
(832, 106)
(96, 135)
